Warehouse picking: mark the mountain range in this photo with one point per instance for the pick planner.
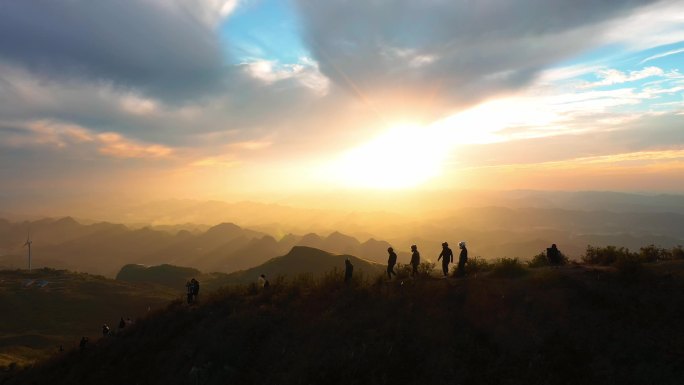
(103, 248)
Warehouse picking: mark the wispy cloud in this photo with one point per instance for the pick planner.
(612, 76)
(65, 136)
(116, 145)
(662, 55)
(305, 72)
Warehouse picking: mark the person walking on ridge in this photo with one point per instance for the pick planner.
(195, 289)
(263, 282)
(447, 256)
(554, 255)
(415, 260)
(188, 288)
(348, 270)
(462, 259)
(391, 261)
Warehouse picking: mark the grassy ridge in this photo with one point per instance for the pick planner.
(36, 320)
(568, 325)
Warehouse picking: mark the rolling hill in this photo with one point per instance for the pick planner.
(103, 248)
(303, 260)
(45, 308)
(571, 325)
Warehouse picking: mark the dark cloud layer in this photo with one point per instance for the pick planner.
(156, 47)
(452, 52)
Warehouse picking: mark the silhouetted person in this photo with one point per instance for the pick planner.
(348, 270)
(462, 259)
(447, 256)
(61, 349)
(554, 255)
(188, 288)
(195, 289)
(263, 282)
(391, 261)
(105, 330)
(122, 324)
(415, 260)
(83, 343)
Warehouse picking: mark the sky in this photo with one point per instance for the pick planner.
(221, 99)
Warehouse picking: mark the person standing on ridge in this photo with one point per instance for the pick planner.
(122, 324)
(447, 256)
(348, 270)
(188, 288)
(462, 259)
(195, 289)
(105, 330)
(84, 342)
(554, 255)
(391, 261)
(263, 282)
(415, 260)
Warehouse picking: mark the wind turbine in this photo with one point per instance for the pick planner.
(28, 243)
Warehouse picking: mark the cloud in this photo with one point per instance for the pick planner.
(434, 57)
(662, 55)
(115, 145)
(168, 48)
(613, 76)
(305, 72)
(67, 136)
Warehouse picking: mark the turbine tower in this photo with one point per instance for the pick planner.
(28, 243)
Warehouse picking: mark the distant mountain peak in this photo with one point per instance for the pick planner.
(306, 250)
(68, 220)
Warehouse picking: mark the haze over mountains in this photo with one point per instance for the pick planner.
(103, 248)
(226, 237)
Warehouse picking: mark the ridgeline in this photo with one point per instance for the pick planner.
(577, 324)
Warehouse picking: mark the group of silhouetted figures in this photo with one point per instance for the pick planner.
(446, 256)
(123, 323)
(192, 290)
(106, 332)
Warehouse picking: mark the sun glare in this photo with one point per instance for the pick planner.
(403, 156)
(408, 155)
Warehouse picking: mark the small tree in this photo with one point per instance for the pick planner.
(478, 265)
(604, 255)
(425, 268)
(508, 268)
(652, 253)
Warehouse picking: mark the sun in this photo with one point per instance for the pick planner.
(404, 156)
(408, 155)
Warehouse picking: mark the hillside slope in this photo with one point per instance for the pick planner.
(303, 260)
(572, 325)
(45, 308)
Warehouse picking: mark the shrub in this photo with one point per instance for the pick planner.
(677, 252)
(629, 267)
(539, 260)
(604, 255)
(425, 268)
(403, 270)
(542, 260)
(652, 253)
(478, 265)
(508, 268)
